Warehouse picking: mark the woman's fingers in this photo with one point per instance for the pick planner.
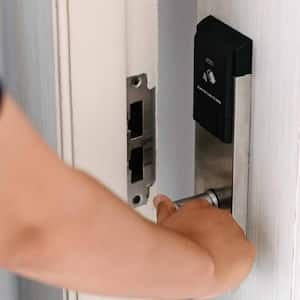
(165, 208)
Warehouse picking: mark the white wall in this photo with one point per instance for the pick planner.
(28, 62)
(273, 206)
(1, 43)
(8, 282)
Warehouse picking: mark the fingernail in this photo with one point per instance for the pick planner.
(157, 200)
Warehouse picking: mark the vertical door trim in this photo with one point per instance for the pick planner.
(63, 81)
(63, 90)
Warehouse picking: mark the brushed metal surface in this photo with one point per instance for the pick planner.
(220, 165)
(213, 161)
(241, 149)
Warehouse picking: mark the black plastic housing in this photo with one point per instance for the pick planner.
(221, 55)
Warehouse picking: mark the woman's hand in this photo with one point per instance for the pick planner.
(215, 231)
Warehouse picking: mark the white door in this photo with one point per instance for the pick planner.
(100, 44)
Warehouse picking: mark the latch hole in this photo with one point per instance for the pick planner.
(135, 124)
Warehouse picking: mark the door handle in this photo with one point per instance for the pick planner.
(220, 198)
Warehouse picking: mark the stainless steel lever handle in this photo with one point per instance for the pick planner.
(221, 198)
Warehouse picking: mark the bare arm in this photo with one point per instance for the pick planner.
(62, 227)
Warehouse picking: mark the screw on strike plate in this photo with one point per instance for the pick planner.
(136, 200)
(136, 82)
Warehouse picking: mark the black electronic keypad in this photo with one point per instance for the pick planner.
(221, 55)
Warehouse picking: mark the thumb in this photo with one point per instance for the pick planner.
(165, 208)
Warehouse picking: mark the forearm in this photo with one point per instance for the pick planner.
(105, 248)
(62, 227)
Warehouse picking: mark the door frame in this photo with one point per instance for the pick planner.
(262, 225)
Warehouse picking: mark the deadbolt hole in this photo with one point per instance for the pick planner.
(137, 200)
(136, 164)
(136, 82)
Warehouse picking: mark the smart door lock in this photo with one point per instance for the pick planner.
(222, 107)
(221, 55)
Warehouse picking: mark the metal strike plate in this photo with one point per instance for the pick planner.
(140, 139)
